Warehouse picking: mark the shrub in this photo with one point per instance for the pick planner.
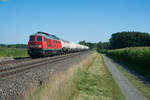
(138, 58)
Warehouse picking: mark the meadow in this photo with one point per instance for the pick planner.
(13, 52)
(136, 58)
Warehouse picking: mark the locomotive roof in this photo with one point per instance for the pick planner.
(48, 35)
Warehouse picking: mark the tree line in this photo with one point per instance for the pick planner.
(125, 39)
(13, 46)
(89, 44)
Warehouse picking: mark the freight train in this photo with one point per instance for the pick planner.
(44, 44)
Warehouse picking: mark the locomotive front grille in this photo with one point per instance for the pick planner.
(35, 51)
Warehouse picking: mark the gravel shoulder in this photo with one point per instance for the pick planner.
(15, 86)
(6, 59)
(129, 91)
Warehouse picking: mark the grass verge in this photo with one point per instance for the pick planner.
(95, 83)
(145, 90)
(13, 52)
(87, 80)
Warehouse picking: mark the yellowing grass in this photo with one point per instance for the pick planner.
(96, 83)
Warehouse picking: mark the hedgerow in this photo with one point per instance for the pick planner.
(137, 58)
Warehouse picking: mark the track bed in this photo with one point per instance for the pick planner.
(15, 79)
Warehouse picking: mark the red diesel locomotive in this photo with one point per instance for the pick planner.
(44, 44)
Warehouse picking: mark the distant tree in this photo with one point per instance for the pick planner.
(2, 45)
(89, 44)
(129, 39)
(82, 42)
(101, 46)
(14, 45)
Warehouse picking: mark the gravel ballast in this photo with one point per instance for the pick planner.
(15, 86)
(6, 59)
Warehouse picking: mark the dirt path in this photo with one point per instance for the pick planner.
(129, 91)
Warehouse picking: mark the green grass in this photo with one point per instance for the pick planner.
(136, 58)
(13, 52)
(95, 83)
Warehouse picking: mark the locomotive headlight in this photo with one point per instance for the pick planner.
(39, 46)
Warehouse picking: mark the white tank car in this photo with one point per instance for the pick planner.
(87, 48)
(77, 47)
(65, 46)
(72, 47)
(80, 47)
(83, 47)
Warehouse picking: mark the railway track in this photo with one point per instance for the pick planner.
(14, 61)
(7, 65)
(7, 71)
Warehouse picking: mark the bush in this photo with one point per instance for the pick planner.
(138, 58)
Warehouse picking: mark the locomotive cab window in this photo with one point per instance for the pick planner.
(39, 38)
(32, 38)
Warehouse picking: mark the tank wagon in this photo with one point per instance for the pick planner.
(44, 44)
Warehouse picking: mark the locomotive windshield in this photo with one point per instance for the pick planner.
(32, 38)
(39, 38)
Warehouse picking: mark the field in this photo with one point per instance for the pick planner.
(136, 58)
(87, 80)
(13, 52)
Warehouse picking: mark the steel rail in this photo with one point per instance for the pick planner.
(22, 68)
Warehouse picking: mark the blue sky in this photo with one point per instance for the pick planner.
(73, 20)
